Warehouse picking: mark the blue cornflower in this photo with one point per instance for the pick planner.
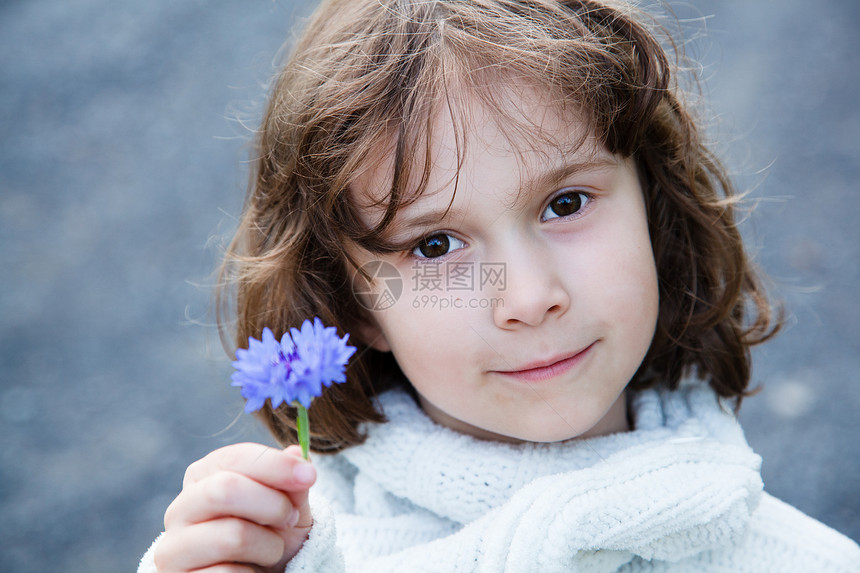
(319, 359)
(292, 370)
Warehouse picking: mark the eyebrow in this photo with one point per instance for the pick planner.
(548, 178)
(428, 219)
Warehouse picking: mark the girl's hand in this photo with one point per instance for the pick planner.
(242, 508)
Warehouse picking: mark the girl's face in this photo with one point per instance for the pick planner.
(529, 304)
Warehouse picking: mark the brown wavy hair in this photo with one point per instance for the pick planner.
(366, 73)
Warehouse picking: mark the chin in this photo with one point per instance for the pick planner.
(585, 428)
(548, 435)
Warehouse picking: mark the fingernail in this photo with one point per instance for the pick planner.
(294, 519)
(304, 472)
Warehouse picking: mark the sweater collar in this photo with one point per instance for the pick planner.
(462, 478)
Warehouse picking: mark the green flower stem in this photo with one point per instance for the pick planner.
(302, 426)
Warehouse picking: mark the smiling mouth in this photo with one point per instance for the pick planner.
(547, 369)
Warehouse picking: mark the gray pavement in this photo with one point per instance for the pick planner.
(121, 170)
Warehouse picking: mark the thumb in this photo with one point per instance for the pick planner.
(304, 476)
(295, 531)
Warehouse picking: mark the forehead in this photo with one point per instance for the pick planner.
(507, 120)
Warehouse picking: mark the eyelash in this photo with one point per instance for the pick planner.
(585, 200)
(416, 250)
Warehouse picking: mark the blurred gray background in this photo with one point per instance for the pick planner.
(121, 171)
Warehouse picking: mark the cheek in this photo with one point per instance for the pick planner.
(627, 280)
(636, 293)
(426, 357)
(420, 333)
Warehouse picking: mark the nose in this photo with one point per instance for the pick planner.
(533, 290)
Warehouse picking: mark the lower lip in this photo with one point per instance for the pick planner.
(548, 372)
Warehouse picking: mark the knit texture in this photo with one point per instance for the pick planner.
(681, 492)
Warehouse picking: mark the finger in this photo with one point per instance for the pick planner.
(278, 469)
(229, 494)
(218, 542)
(229, 568)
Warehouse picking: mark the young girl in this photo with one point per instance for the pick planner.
(508, 206)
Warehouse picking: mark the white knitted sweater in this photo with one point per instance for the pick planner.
(681, 492)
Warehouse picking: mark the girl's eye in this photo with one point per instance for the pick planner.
(436, 246)
(565, 204)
